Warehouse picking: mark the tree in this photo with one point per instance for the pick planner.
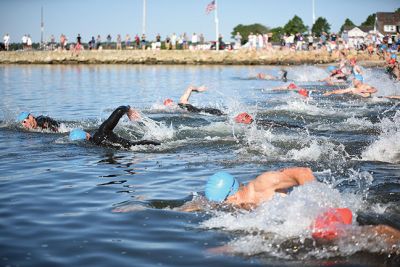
(370, 21)
(347, 23)
(276, 34)
(397, 11)
(245, 30)
(321, 25)
(295, 25)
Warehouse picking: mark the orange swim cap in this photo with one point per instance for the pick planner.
(327, 225)
(292, 86)
(168, 102)
(244, 118)
(303, 92)
(260, 76)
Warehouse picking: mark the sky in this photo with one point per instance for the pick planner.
(93, 17)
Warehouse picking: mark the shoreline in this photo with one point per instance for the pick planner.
(183, 57)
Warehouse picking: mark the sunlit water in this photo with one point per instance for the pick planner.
(66, 203)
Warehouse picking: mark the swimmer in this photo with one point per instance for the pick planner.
(264, 76)
(393, 68)
(105, 136)
(360, 88)
(184, 102)
(293, 87)
(336, 75)
(29, 121)
(222, 187)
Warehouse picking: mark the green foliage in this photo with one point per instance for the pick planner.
(347, 23)
(245, 30)
(276, 34)
(397, 11)
(370, 21)
(295, 25)
(321, 25)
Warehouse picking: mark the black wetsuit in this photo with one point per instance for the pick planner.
(105, 136)
(47, 123)
(191, 108)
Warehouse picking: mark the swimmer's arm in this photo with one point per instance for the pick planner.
(301, 175)
(108, 125)
(339, 92)
(186, 95)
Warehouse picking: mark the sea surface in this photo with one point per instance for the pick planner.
(66, 203)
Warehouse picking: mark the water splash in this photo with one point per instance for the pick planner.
(387, 147)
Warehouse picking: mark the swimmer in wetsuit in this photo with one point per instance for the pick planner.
(184, 102)
(41, 122)
(105, 136)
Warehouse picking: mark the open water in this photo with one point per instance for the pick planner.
(66, 203)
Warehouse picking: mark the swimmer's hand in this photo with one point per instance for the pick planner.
(199, 89)
(133, 115)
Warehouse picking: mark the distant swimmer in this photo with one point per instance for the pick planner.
(264, 76)
(184, 102)
(336, 75)
(105, 136)
(223, 188)
(293, 87)
(393, 67)
(359, 89)
(246, 118)
(40, 122)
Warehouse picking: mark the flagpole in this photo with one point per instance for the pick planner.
(313, 12)
(41, 27)
(216, 25)
(144, 17)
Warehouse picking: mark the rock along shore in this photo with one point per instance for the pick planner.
(242, 57)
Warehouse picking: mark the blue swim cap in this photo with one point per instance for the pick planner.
(77, 134)
(359, 77)
(394, 56)
(331, 68)
(221, 185)
(22, 116)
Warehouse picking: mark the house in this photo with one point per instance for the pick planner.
(388, 23)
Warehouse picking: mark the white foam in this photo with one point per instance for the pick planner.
(387, 147)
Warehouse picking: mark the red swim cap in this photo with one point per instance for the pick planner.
(292, 86)
(168, 102)
(392, 61)
(303, 92)
(260, 76)
(244, 118)
(327, 225)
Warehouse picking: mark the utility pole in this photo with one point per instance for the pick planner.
(313, 12)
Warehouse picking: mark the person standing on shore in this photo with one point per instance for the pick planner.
(29, 42)
(143, 42)
(119, 42)
(6, 40)
(24, 42)
(127, 41)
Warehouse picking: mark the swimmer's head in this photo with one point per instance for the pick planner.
(292, 86)
(220, 186)
(244, 118)
(329, 225)
(78, 134)
(22, 116)
(168, 102)
(353, 60)
(331, 68)
(358, 78)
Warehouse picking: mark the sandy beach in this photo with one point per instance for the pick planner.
(241, 57)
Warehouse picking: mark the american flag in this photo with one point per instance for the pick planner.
(210, 7)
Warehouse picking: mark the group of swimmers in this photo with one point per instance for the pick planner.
(223, 187)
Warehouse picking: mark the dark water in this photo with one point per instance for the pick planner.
(65, 203)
